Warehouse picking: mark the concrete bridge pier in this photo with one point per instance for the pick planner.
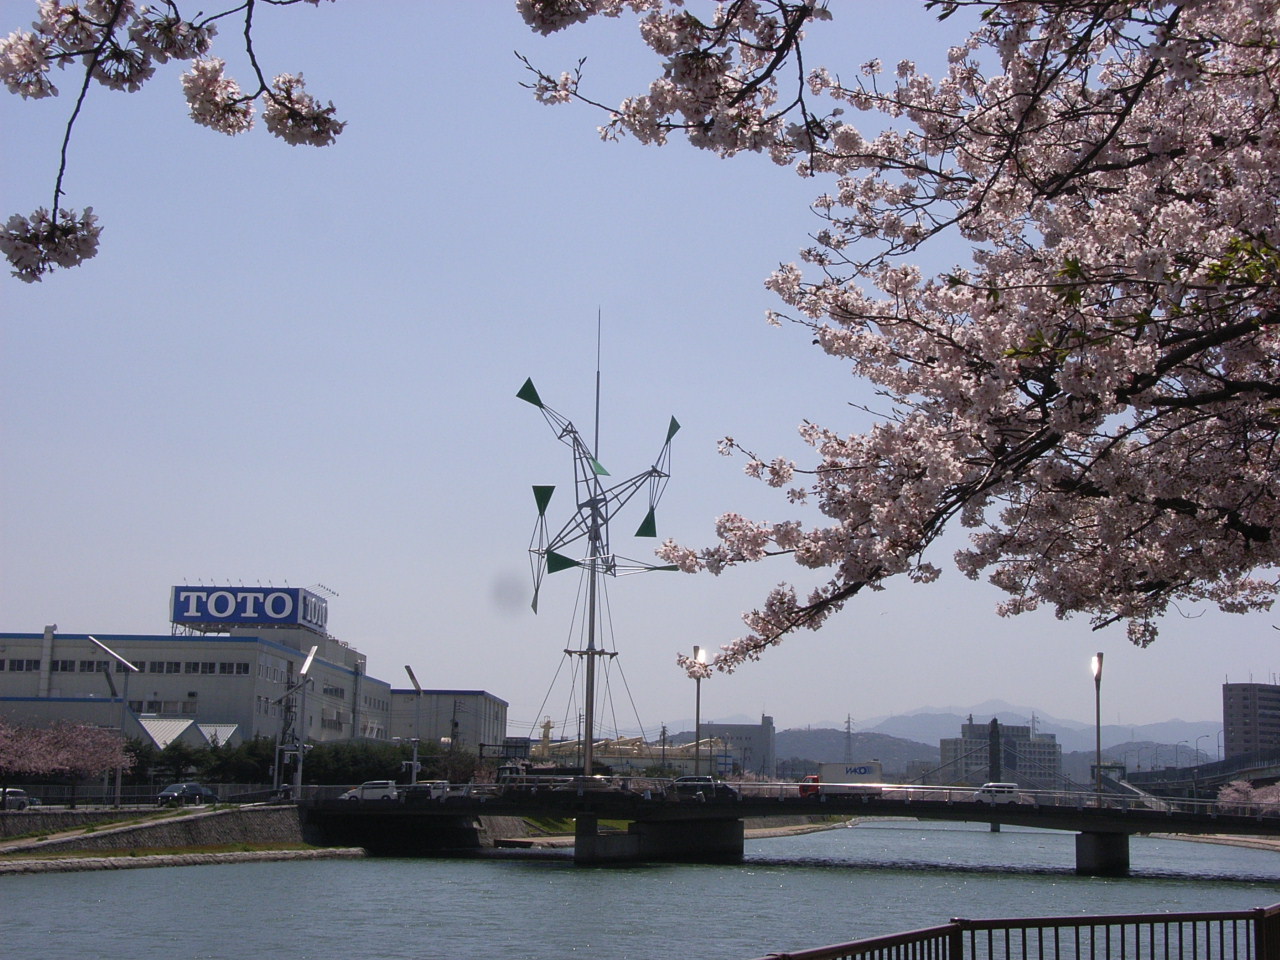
(1102, 854)
(699, 841)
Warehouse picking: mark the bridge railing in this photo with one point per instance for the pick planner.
(1222, 935)
(816, 793)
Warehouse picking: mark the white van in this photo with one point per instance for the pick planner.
(998, 793)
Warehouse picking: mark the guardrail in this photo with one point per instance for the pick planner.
(816, 793)
(1221, 935)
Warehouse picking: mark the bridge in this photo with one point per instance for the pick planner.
(674, 821)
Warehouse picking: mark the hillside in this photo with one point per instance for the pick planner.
(800, 751)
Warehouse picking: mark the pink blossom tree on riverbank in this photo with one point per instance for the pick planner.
(71, 750)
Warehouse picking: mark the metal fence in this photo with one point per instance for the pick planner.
(1223, 935)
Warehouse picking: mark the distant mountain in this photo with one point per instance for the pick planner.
(800, 751)
(929, 725)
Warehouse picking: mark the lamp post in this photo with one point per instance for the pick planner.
(301, 738)
(124, 705)
(1096, 666)
(417, 719)
(1195, 780)
(700, 656)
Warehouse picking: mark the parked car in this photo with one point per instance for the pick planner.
(702, 788)
(372, 790)
(16, 799)
(181, 793)
(424, 790)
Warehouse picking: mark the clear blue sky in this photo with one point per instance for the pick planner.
(298, 365)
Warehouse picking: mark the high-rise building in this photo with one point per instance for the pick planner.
(1250, 717)
(1026, 756)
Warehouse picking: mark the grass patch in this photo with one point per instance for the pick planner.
(159, 851)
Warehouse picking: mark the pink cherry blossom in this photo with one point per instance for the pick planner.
(1093, 395)
(36, 244)
(216, 100)
(296, 117)
(120, 44)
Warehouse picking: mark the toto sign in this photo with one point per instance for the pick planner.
(207, 607)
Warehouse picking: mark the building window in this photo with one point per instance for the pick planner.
(235, 669)
(139, 666)
(94, 666)
(18, 666)
(63, 666)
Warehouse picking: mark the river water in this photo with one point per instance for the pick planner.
(791, 892)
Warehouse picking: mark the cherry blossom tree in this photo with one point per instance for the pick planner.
(19, 755)
(1093, 395)
(119, 44)
(73, 750)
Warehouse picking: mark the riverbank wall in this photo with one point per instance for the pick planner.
(37, 820)
(194, 828)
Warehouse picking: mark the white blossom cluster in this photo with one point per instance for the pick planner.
(119, 43)
(295, 116)
(36, 244)
(216, 100)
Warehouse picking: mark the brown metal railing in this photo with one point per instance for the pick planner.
(1220, 935)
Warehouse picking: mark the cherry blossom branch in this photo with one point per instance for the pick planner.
(119, 45)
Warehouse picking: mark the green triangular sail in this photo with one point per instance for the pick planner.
(528, 394)
(542, 496)
(558, 561)
(649, 526)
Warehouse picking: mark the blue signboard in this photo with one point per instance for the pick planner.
(248, 606)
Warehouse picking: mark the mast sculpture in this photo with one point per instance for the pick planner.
(595, 505)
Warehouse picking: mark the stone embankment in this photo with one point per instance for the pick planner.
(44, 841)
(192, 827)
(42, 820)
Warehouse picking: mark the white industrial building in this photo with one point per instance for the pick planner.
(230, 670)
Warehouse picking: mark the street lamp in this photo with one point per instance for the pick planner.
(417, 719)
(700, 657)
(1195, 777)
(1096, 666)
(301, 738)
(124, 704)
